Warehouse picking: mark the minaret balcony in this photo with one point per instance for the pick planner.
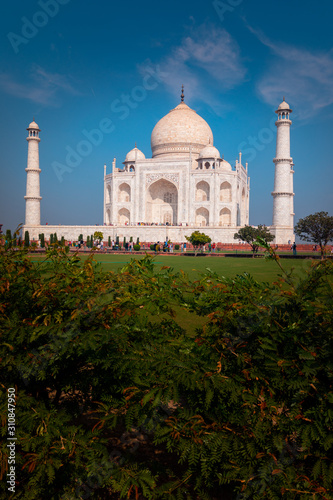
(281, 193)
(282, 160)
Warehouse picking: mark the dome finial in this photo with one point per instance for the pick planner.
(135, 145)
(182, 94)
(284, 98)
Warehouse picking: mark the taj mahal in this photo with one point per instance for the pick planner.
(185, 186)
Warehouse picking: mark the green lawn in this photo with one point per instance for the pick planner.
(260, 268)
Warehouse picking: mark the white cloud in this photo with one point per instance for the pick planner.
(304, 77)
(206, 61)
(42, 87)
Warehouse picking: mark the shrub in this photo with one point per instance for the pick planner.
(152, 246)
(109, 241)
(110, 387)
(42, 240)
(176, 247)
(137, 247)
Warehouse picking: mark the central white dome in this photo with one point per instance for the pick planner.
(179, 130)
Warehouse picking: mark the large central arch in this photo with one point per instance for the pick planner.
(162, 203)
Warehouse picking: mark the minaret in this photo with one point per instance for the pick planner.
(283, 196)
(32, 198)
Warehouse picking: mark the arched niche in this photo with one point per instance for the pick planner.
(225, 217)
(162, 202)
(124, 192)
(225, 192)
(123, 217)
(108, 217)
(202, 217)
(202, 192)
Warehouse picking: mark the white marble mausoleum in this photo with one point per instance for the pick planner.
(186, 185)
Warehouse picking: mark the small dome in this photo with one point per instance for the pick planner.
(34, 125)
(209, 152)
(284, 106)
(135, 154)
(225, 165)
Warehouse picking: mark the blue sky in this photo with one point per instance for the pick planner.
(117, 68)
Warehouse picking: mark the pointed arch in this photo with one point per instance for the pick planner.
(202, 192)
(108, 193)
(108, 217)
(225, 192)
(123, 217)
(202, 217)
(225, 217)
(124, 192)
(162, 202)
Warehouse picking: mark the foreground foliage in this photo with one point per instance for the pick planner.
(115, 400)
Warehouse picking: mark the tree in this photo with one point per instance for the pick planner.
(42, 240)
(98, 235)
(251, 234)
(316, 227)
(198, 240)
(109, 241)
(9, 238)
(26, 239)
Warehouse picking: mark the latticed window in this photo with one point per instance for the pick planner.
(169, 197)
